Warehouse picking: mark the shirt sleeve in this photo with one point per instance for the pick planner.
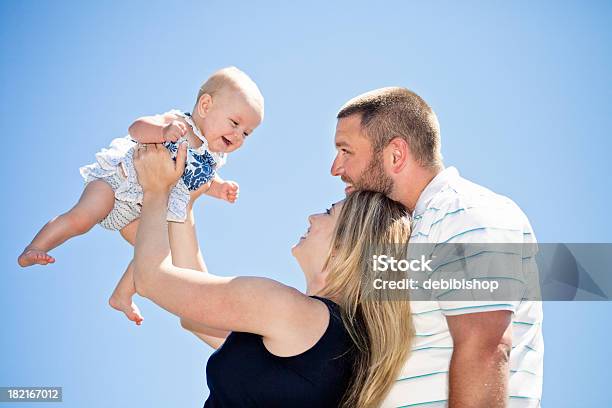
(478, 259)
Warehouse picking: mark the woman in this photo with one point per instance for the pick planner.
(340, 344)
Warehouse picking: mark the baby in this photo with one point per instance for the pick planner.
(228, 108)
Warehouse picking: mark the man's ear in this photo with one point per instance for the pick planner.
(398, 152)
(204, 104)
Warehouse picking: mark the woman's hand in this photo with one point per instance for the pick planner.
(157, 172)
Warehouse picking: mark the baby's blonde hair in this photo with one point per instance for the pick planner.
(231, 78)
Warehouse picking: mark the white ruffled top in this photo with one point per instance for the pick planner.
(117, 160)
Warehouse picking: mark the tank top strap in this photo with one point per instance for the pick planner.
(334, 308)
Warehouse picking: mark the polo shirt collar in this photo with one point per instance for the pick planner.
(434, 187)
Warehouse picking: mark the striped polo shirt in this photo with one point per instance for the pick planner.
(452, 209)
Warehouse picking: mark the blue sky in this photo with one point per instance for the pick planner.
(522, 91)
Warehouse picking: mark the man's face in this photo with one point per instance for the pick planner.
(356, 163)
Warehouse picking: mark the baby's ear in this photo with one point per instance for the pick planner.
(204, 105)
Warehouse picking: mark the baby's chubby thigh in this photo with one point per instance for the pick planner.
(129, 231)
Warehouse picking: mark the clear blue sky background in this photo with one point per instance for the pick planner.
(522, 90)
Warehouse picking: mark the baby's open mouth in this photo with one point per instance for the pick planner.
(226, 141)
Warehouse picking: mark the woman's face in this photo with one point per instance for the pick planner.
(312, 248)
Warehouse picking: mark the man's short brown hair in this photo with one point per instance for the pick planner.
(392, 112)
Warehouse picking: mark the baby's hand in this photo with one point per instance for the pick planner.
(173, 131)
(225, 190)
(229, 191)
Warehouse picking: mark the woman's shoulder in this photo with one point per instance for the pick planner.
(332, 307)
(316, 327)
(330, 303)
(335, 326)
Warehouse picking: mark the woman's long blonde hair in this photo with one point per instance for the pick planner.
(379, 323)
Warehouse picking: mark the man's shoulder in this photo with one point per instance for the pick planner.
(462, 206)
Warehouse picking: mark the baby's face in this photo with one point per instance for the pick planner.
(230, 119)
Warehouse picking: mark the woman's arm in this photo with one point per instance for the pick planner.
(157, 129)
(214, 342)
(186, 254)
(214, 338)
(248, 304)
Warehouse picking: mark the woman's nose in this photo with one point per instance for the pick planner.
(311, 218)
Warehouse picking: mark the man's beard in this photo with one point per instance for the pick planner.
(374, 177)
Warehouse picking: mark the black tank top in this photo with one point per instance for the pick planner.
(243, 373)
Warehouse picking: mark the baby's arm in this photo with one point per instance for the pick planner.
(223, 189)
(158, 129)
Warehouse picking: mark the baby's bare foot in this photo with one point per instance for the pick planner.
(124, 304)
(32, 256)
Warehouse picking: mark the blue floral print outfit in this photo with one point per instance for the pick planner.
(115, 165)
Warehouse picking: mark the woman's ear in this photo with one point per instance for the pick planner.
(204, 104)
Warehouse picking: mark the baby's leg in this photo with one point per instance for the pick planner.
(121, 299)
(122, 296)
(95, 203)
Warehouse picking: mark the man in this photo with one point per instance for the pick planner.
(465, 354)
